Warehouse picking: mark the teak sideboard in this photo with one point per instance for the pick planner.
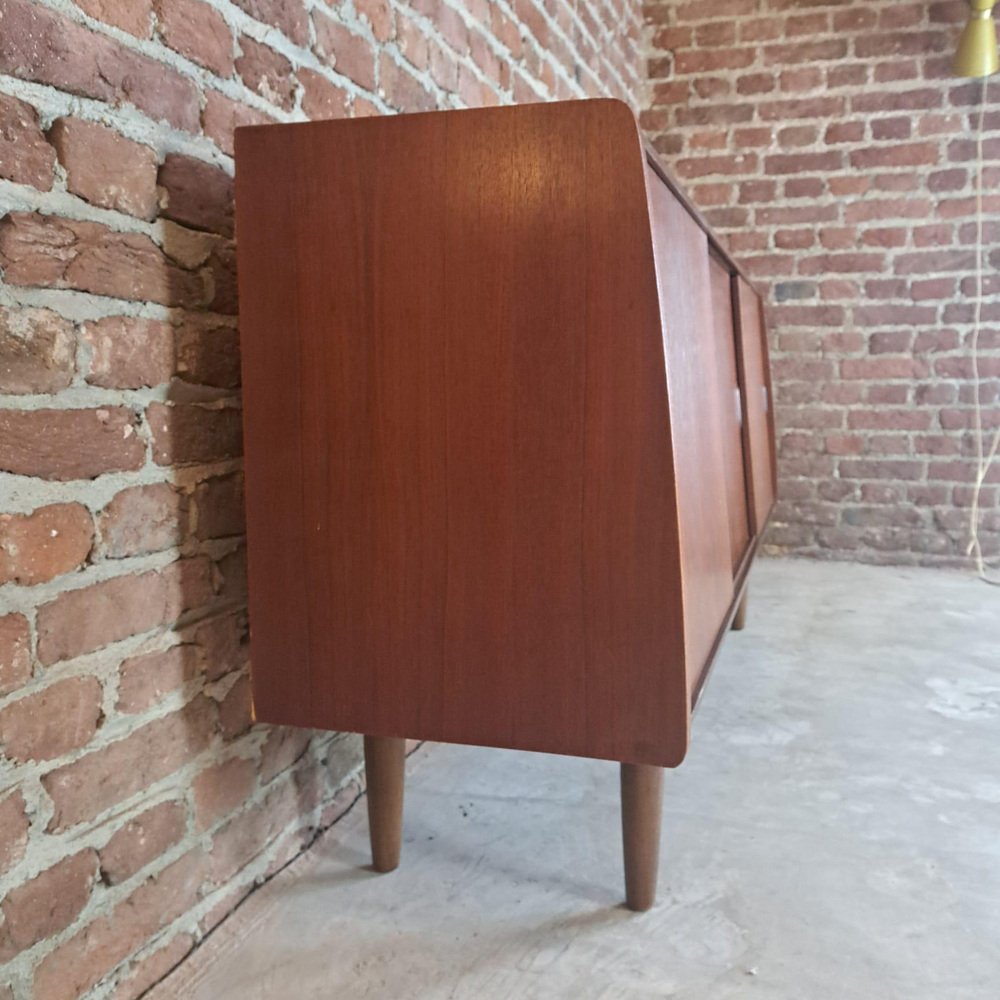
(509, 441)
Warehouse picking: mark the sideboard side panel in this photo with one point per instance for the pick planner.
(474, 463)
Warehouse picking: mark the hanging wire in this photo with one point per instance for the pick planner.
(984, 456)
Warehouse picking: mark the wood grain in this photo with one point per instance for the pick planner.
(462, 369)
(642, 811)
(759, 408)
(731, 418)
(698, 415)
(491, 447)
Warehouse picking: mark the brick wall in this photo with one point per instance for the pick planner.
(137, 802)
(829, 141)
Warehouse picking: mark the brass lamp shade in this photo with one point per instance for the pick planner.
(977, 48)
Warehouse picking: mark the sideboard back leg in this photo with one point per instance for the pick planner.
(642, 801)
(740, 618)
(385, 758)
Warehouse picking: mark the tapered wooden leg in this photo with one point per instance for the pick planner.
(642, 801)
(385, 758)
(740, 618)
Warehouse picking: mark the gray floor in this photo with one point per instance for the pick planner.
(834, 833)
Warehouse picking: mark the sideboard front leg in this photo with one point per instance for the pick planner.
(385, 760)
(740, 618)
(642, 801)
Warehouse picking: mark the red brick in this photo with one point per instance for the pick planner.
(892, 128)
(40, 45)
(797, 135)
(86, 149)
(936, 340)
(50, 723)
(37, 351)
(68, 971)
(961, 471)
(794, 239)
(67, 253)
(282, 748)
(266, 72)
(807, 24)
(803, 107)
(755, 83)
(143, 519)
(894, 315)
(695, 10)
(142, 840)
(896, 155)
(69, 444)
(80, 621)
(803, 187)
(240, 840)
(846, 75)
(185, 434)
(208, 355)
(794, 163)
(825, 50)
(895, 420)
(222, 264)
(672, 92)
(934, 261)
(757, 191)
(220, 789)
(934, 289)
(842, 263)
(87, 787)
(888, 237)
(46, 904)
(223, 645)
(868, 368)
(288, 16)
(714, 114)
(145, 680)
(701, 166)
(235, 712)
(711, 88)
(378, 14)
(751, 138)
(198, 31)
(890, 342)
(882, 469)
(690, 61)
(219, 503)
(884, 100)
(196, 194)
(936, 444)
(712, 195)
(14, 825)
(154, 967)
(25, 156)
(908, 43)
(714, 34)
(349, 54)
(128, 353)
(44, 544)
(133, 16)
(223, 115)
(403, 90)
(233, 570)
(320, 98)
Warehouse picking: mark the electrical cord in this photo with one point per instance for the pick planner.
(984, 456)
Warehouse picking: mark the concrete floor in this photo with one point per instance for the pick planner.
(834, 833)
